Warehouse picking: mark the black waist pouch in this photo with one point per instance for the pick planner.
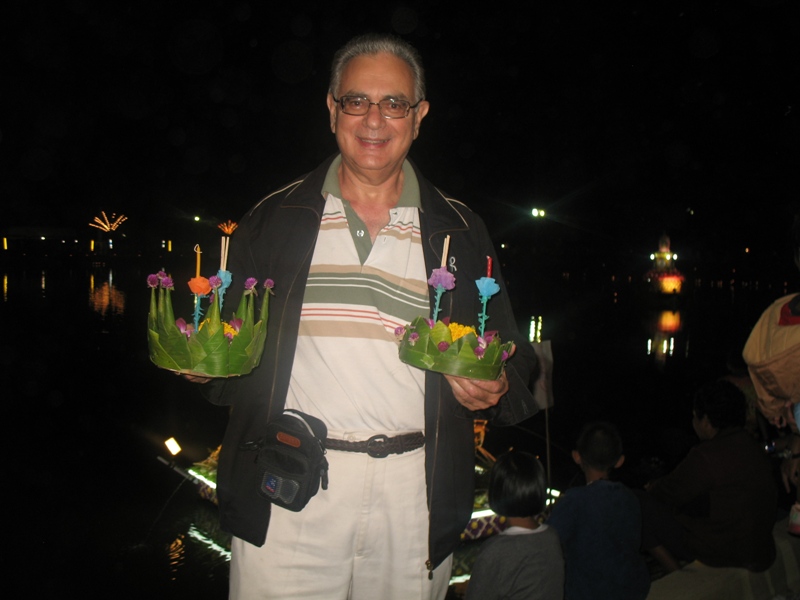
(291, 460)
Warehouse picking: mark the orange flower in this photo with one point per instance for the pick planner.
(200, 286)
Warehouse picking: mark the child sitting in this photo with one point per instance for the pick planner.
(524, 561)
(600, 525)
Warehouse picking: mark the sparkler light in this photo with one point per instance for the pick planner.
(106, 224)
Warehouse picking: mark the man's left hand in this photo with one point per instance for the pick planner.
(478, 394)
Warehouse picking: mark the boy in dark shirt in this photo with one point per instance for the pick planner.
(600, 525)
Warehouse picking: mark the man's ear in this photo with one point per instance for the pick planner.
(332, 110)
(576, 456)
(619, 462)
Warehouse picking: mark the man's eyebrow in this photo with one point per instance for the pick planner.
(399, 96)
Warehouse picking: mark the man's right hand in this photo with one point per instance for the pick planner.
(195, 378)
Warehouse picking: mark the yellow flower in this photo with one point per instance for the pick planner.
(228, 330)
(457, 330)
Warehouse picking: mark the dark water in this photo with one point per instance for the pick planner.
(94, 510)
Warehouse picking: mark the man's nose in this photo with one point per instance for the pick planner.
(374, 117)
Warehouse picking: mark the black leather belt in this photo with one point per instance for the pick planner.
(380, 446)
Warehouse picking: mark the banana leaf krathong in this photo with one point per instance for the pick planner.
(214, 348)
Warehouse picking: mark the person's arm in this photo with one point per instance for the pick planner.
(687, 481)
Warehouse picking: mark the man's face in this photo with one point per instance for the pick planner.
(372, 145)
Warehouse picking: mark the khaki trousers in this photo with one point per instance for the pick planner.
(364, 538)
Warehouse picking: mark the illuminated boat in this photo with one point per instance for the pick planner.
(664, 278)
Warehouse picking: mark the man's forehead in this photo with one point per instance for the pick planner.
(384, 74)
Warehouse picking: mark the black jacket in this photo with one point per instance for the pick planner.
(276, 240)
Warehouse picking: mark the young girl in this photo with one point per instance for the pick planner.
(525, 560)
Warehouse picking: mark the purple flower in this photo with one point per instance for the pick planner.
(399, 331)
(489, 336)
(250, 283)
(152, 281)
(487, 287)
(214, 281)
(479, 352)
(269, 284)
(442, 277)
(412, 338)
(236, 324)
(430, 323)
(443, 346)
(504, 357)
(184, 328)
(161, 274)
(166, 282)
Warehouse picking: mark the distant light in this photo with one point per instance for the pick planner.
(674, 257)
(42, 238)
(652, 257)
(197, 218)
(746, 250)
(173, 446)
(537, 212)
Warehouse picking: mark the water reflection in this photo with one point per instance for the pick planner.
(106, 298)
(664, 327)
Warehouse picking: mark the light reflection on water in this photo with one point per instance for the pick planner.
(106, 298)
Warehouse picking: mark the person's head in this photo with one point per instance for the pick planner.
(599, 447)
(718, 405)
(371, 44)
(376, 103)
(517, 485)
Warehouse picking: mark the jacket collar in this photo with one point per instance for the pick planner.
(439, 211)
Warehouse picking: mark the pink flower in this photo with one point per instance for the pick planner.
(184, 328)
(479, 352)
(399, 331)
(152, 281)
(443, 346)
(236, 324)
(214, 281)
(167, 283)
(269, 284)
(442, 277)
(505, 356)
(412, 338)
(250, 283)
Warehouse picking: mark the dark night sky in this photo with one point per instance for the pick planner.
(618, 117)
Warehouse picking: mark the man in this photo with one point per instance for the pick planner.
(723, 492)
(349, 247)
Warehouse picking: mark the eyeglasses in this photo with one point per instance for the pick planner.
(390, 109)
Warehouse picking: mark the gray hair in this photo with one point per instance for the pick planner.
(371, 44)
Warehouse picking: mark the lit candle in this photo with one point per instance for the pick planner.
(198, 252)
(488, 266)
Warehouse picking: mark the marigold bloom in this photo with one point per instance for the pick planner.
(228, 331)
(457, 330)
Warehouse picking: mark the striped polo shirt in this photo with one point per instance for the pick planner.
(346, 370)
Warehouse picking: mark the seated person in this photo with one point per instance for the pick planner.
(722, 494)
(600, 524)
(524, 561)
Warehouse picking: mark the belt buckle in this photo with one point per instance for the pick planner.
(376, 446)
